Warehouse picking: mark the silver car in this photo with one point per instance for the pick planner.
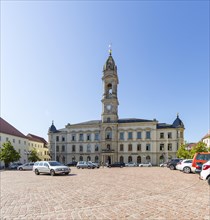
(50, 167)
(26, 166)
(85, 164)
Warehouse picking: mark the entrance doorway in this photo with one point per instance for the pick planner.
(108, 159)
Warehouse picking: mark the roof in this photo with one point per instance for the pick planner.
(7, 128)
(131, 120)
(178, 123)
(33, 137)
(89, 122)
(164, 125)
(206, 136)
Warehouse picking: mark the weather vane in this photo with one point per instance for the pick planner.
(110, 49)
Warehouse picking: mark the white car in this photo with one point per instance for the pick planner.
(185, 165)
(26, 166)
(131, 164)
(145, 165)
(205, 172)
(50, 167)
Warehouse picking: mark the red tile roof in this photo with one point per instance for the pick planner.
(7, 128)
(36, 138)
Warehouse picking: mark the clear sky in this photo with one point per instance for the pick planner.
(53, 52)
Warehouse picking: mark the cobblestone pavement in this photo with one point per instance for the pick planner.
(115, 193)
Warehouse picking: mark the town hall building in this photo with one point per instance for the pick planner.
(113, 139)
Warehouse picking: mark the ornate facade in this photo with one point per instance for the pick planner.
(112, 139)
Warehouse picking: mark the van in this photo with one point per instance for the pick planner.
(200, 157)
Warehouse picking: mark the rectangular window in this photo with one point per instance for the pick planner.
(73, 148)
(121, 147)
(81, 137)
(57, 148)
(138, 135)
(170, 147)
(161, 147)
(169, 135)
(147, 134)
(121, 135)
(63, 148)
(7, 139)
(19, 151)
(130, 135)
(139, 147)
(57, 138)
(96, 136)
(73, 137)
(81, 148)
(19, 141)
(130, 147)
(88, 137)
(63, 138)
(96, 147)
(147, 147)
(161, 135)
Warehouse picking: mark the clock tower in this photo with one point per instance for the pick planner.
(110, 81)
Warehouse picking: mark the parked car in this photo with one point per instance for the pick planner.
(184, 165)
(198, 167)
(15, 165)
(85, 164)
(163, 164)
(26, 166)
(205, 173)
(50, 167)
(72, 164)
(145, 165)
(173, 162)
(116, 164)
(97, 165)
(131, 164)
(201, 157)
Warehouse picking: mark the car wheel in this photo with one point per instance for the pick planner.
(21, 169)
(78, 167)
(186, 169)
(208, 180)
(121, 166)
(66, 173)
(36, 172)
(52, 172)
(172, 167)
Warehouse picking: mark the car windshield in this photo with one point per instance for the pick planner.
(55, 163)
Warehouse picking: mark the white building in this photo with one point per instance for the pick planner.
(113, 139)
(21, 143)
(206, 140)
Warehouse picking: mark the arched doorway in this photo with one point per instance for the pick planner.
(139, 159)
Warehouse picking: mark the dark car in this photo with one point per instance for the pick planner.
(173, 162)
(72, 164)
(15, 165)
(116, 164)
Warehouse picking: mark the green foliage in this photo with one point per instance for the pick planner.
(183, 153)
(199, 147)
(8, 154)
(33, 157)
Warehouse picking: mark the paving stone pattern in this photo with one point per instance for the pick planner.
(105, 193)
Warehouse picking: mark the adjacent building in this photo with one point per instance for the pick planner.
(22, 143)
(206, 140)
(113, 139)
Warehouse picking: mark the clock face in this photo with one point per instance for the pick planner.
(108, 107)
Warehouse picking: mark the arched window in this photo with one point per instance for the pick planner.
(148, 158)
(121, 159)
(109, 89)
(96, 159)
(81, 158)
(129, 159)
(139, 159)
(108, 147)
(88, 158)
(108, 133)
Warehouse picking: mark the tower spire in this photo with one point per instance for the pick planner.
(110, 49)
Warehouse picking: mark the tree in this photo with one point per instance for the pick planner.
(183, 153)
(8, 154)
(33, 156)
(199, 147)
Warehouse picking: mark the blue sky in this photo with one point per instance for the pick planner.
(53, 52)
